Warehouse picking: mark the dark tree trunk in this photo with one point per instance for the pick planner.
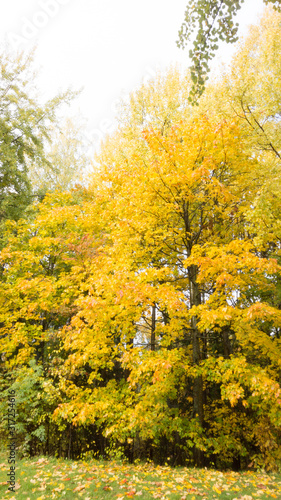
(198, 409)
(69, 455)
(153, 326)
(226, 342)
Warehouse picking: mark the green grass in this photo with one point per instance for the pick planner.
(48, 478)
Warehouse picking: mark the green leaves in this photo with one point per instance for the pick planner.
(210, 20)
(24, 132)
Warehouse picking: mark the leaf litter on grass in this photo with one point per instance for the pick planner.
(48, 478)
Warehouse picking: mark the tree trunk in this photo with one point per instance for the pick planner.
(226, 342)
(153, 326)
(198, 409)
(69, 455)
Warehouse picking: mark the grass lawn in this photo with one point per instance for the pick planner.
(42, 478)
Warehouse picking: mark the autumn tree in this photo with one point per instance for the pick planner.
(41, 259)
(166, 193)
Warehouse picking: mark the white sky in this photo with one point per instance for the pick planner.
(108, 47)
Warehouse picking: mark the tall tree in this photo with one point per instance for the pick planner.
(164, 191)
(24, 130)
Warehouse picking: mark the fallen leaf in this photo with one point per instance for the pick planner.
(131, 493)
(79, 488)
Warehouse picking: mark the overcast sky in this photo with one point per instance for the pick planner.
(108, 47)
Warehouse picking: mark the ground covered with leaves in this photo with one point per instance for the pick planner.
(43, 478)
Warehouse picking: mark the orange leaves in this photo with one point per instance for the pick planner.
(263, 311)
